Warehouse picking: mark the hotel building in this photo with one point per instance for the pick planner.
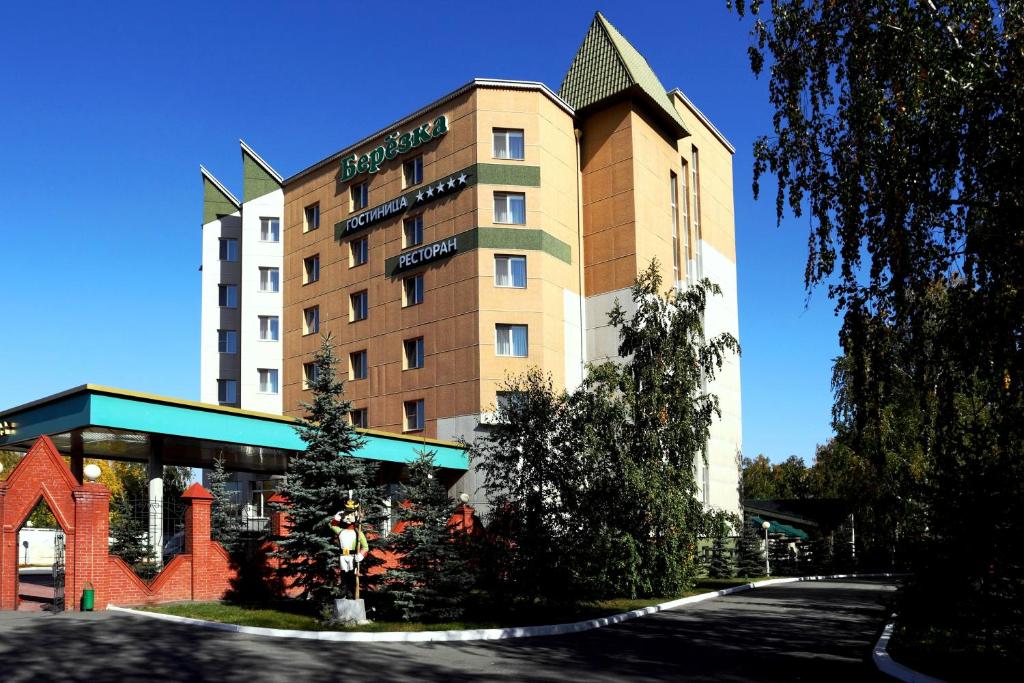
(487, 232)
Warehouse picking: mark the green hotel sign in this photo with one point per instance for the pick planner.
(394, 144)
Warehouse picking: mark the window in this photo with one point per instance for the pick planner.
(412, 234)
(359, 252)
(310, 373)
(684, 224)
(360, 196)
(357, 365)
(227, 391)
(413, 415)
(270, 228)
(508, 143)
(506, 399)
(695, 212)
(673, 195)
(311, 320)
(269, 328)
(227, 341)
(261, 493)
(358, 418)
(413, 353)
(311, 217)
(311, 269)
(268, 381)
(412, 290)
(510, 207)
(270, 279)
(510, 271)
(227, 296)
(358, 306)
(412, 172)
(511, 340)
(228, 249)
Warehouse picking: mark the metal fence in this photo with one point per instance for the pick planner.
(146, 535)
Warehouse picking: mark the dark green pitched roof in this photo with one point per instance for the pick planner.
(607, 65)
(217, 201)
(258, 178)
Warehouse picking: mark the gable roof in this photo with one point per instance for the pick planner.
(217, 199)
(258, 178)
(606, 66)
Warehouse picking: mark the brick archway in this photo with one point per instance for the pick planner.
(80, 510)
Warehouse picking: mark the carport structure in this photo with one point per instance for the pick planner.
(92, 421)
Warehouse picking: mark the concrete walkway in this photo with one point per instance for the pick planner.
(813, 631)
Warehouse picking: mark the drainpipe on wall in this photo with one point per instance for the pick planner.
(579, 236)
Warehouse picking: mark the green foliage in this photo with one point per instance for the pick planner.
(594, 491)
(317, 485)
(749, 551)
(42, 517)
(719, 524)
(898, 127)
(432, 580)
(9, 460)
(225, 526)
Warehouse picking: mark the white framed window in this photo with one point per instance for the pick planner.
(413, 353)
(358, 252)
(358, 418)
(505, 399)
(270, 228)
(228, 249)
(412, 231)
(360, 196)
(270, 328)
(311, 217)
(268, 380)
(511, 340)
(510, 208)
(412, 172)
(260, 494)
(673, 202)
(310, 269)
(227, 341)
(310, 373)
(695, 210)
(684, 209)
(357, 365)
(311, 320)
(412, 290)
(508, 143)
(414, 417)
(270, 279)
(358, 306)
(510, 271)
(227, 391)
(227, 296)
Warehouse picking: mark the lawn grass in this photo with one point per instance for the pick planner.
(295, 615)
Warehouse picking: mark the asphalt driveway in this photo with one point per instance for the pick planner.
(810, 631)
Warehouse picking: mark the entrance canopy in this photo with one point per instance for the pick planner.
(112, 424)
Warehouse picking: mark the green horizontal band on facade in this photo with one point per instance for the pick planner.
(523, 239)
(486, 174)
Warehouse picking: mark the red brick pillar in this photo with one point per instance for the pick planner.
(197, 541)
(86, 546)
(8, 556)
(278, 519)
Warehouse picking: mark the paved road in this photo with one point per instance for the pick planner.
(820, 631)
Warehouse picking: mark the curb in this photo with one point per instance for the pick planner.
(483, 633)
(887, 665)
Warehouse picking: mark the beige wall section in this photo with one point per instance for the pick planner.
(718, 220)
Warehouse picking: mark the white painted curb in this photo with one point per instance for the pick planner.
(887, 665)
(482, 633)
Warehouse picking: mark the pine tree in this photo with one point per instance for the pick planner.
(750, 555)
(432, 580)
(224, 523)
(129, 536)
(317, 485)
(721, 565)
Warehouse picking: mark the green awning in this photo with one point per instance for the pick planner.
(784, 529)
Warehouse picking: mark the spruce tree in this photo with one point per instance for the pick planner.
(224, 522)
(432, 579)
(317, 485)
(720, 566)
(750, 558)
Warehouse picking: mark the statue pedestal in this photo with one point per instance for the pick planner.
(350, 612)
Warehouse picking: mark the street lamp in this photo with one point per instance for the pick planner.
(767, 568)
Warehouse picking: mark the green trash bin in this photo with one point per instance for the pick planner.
(88, 597)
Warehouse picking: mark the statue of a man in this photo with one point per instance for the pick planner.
(353, 545)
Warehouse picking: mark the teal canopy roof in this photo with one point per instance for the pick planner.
(114, 424)
(783, 529)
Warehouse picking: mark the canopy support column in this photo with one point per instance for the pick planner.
(156, 496)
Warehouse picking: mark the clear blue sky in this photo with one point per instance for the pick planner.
(107, 110)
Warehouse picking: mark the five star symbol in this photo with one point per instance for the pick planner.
(442, 186)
